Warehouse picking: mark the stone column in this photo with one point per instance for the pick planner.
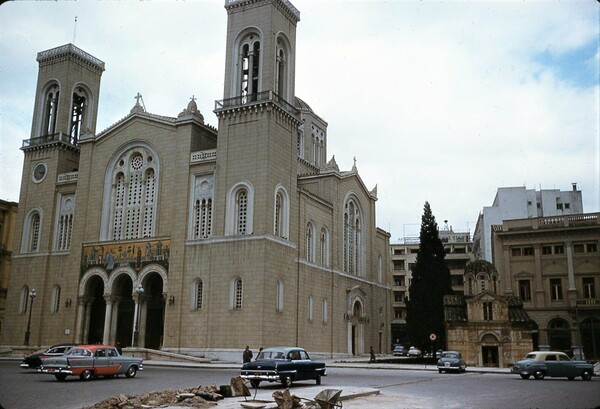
(107, 319)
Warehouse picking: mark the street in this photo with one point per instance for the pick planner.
(20, 389)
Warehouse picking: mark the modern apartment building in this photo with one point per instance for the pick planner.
(553, 265)
(459, 253)
(521, 203)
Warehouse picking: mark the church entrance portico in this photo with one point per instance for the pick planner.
(113, 309)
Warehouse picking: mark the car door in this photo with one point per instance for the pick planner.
(307, 366)
(114, 361)
(567, 368)
(101, 362)
(552, 365)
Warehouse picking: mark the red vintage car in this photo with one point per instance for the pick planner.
(90, 361)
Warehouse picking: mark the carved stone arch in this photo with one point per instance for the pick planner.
(95, 271)
(587, 267)
(119, 271)
(554, 267)
(523, 274)
(153, 268)
(489, 338)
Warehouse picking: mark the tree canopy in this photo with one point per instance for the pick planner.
(430, 283)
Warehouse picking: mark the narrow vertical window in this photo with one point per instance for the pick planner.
(77, 112)
(279, 296)
(278, 214)
(50, 111)
(488, 311)
(589, 288)
(65, 222)
(24, 299)
(325, 311)
(55, 299)
(352, 237)
(310, 307)
(34, 233)
(241, 211)
(238, 294)
(198, 295)
(309, 243)
(250, 69)
(525, 290)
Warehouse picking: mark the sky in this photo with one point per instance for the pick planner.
(438, 101)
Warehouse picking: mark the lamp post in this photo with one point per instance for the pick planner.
(32, 295)
(139, 290)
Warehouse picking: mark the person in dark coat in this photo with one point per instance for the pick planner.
(247, 356)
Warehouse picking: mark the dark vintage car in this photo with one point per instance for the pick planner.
(451, 361)
(90, 361)
(399, 350)
(34, 361)
(283, 364)
(540, 364)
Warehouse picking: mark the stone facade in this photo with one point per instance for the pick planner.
(8, 218)
(553, 265)
(168, 233)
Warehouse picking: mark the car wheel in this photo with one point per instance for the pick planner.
(524, 376)
(539, 375)
(131, 371)
(318, 379)
(60, 377)
(86, 375)
(286, 381)
(254, 383)
(586, 375)
(440, 371)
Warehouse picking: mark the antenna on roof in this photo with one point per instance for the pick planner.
(74, 30)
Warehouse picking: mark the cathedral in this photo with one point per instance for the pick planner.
(165, 232)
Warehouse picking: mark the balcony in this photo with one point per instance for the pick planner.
(48, 140)
(255, 101)
(588, 302)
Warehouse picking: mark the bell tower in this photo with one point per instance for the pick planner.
(258, 124)
(66, 106)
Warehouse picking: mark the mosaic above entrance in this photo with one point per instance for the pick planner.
(133, 254)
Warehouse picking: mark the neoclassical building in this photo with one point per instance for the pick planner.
(169, 233)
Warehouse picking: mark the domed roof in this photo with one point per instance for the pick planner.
(300, 104)
(480, 266)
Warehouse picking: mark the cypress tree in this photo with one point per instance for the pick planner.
(430, 282)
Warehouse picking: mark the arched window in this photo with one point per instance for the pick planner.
(237, 294)
(30, 242)
(250, 60)
(197, 289)
(352, 237)
(65, 222)
(50, 110)
(23, 299)
(279, 296)
(282, 68)
(133, 195)
(203, 189)
(310, 307)
(55, 299)
(240, 204)
(78, 110)
(241, 211)
(281, 218)
(324, 247)
(310, 243)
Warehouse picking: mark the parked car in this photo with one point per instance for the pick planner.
(34, 361)
(283, 364)
(399, 350)
(90, 361)
(414, 352)
(540, 364)
(451, 361)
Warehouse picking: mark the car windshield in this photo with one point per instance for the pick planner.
(530, 356)
(449, 355)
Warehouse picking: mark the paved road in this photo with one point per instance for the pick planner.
(400, 388)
